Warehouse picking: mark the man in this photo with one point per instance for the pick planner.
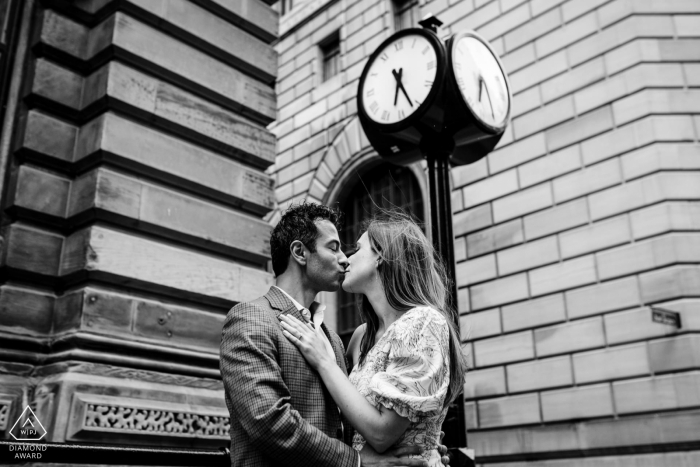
(281, 414)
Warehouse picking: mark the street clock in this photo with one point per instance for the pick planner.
(417, 95)
(399, 93)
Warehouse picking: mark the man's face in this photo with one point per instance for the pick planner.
(325, 268)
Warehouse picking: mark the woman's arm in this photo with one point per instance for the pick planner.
(353, 351)
(381, 427)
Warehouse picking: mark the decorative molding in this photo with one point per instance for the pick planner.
(94, 414)
(98, 369)
(5, 411)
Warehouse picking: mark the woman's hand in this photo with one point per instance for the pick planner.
(309, 343)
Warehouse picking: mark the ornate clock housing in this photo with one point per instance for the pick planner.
(481, 81)
(398, 97)
(480, 109)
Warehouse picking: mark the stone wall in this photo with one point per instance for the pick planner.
(585, 217)
(133, 213)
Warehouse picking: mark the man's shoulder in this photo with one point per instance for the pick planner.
(254, 310)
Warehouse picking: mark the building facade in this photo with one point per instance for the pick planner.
(133, 152)
(584, 220)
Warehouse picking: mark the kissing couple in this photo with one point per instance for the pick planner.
(285, 373)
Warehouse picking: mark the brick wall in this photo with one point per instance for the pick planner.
(583, 218)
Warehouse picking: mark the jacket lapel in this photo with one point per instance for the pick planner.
(282, 304)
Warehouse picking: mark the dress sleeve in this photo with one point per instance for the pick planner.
(417, 374)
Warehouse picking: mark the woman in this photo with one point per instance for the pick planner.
(408, 364)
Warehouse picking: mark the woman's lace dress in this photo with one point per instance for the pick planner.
(408, 371)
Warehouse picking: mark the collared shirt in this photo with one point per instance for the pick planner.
(316, 319)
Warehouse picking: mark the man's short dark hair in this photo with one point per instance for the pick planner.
(298, 223)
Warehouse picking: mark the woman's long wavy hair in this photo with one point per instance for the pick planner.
(412, 274)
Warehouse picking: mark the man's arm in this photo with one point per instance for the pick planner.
(262, 402)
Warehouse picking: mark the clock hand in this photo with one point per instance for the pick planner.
(482, 83)
(399, 84)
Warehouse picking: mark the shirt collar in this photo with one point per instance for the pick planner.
(316, 309)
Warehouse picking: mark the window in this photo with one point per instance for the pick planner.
(388, 186)
(406, 14)
(330, 49)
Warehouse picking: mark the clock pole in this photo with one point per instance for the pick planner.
(437, 153)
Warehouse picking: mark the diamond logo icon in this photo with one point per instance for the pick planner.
(28, 427)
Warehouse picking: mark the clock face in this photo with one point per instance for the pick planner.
(399, 79)
(481, 81)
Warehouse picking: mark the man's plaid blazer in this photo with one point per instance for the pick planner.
(281, 413)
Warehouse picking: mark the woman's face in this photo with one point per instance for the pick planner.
(362, 267)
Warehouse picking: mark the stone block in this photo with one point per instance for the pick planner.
(645, 191)
(523, 202)
(577, 403)
(140, 262)
(472, 219)
(649, 254)
(573, 9)
(522, 103)
(490, 188)
(656, 101)
(556, 219)
(528, 256)
(538, 72)
(480, 324)
(533, 29)
(660, 156)
(580, 129)
(658, 393)
(615, 89)
(506, 21)
(545, 117)
(634, 325)
(612, 363)
(570, 337)
(566, 275)
(600, 298)
(540, 374)
(534, 313)
(595, 237)
(618, 34)
(495, 238)
(665, 217)
(499, 292)
(476, 18)
(517, 59)
(583, 76)
(550, 166)
(27, 311)
(570, 33)
(511, 410)
(476, 270)
(517, 153)
(467, 174)
(591, 179)
(504, 349)
(675, 353)
(637, 134)
(463, 300)
(488, 382)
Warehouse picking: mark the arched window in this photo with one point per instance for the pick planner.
(384, 186)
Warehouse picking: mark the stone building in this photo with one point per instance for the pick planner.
(585, 217)
(133, 156)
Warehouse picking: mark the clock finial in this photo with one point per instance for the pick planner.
(430, 22)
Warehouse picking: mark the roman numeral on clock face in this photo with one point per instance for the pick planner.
(385, 115)
(402, 114)
(374, 107)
